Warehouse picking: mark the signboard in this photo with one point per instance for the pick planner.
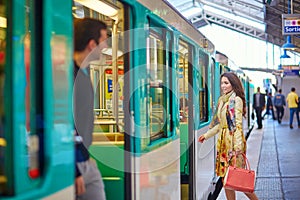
(290, 24)
(291, 70)
(291, 67)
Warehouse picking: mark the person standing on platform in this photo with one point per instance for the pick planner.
(292, 100)
(279, 103)
(228, 124)
(89, 36)
(269, 107)
(259, 105)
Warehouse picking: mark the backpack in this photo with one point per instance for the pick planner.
(279, 100)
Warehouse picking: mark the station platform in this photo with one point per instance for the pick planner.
(274, 153)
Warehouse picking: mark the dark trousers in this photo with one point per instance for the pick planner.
(268, 112)
(292, 112)
(258, 111)
(280, 113)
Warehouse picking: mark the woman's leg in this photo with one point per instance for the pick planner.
(230, 194)
(251, 196)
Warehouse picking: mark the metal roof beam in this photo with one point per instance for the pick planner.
(232, 24)
(239, 8)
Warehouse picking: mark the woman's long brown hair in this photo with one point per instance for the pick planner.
(237, 87)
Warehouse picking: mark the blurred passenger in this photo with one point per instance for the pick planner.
(279, 103)
(269, 107)
(227, 123)
(259, 105)
(89, 34)
(292, 100)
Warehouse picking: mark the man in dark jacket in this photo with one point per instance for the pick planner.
(259, 105)
(279, 103)
(269, 107)
(90, 35)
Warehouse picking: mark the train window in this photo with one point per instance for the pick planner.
(203, 96)
(33, 97)
(183, 80)
(107, 73)
(212, 81)
(157, 90)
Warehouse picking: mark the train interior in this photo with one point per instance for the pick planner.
(107, 76)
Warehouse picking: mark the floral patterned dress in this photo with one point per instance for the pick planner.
(228, 142)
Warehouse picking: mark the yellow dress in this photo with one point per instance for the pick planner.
(227, 142)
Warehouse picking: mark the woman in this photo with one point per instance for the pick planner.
(231, 138)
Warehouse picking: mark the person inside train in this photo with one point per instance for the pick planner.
(183, 107)
(231, 141)
(259, 105)
(269, 107)
(89, 34)
(292, 100)
(279, 103)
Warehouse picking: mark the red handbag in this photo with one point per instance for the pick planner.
(240, 179)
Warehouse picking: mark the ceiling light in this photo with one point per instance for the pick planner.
(100, 7)
(284, 55)
(289, 44)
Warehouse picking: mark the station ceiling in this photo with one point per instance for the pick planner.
(260, 19)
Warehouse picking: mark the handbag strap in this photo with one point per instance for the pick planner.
(246, 161)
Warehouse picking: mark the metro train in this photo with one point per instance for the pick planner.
(156, 87)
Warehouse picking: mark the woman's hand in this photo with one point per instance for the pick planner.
(201, 139)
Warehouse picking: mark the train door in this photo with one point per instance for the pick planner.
(35, 91)
(185, 76)
(205, 152)
(155, 153)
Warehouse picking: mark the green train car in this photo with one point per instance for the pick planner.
(156, 87)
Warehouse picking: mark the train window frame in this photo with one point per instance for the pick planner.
(203, 63)
(6, 177)
(184, 117)
(157, 85)
(212, 81)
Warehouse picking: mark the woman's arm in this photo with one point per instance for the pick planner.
(211, 132)
(238, 136)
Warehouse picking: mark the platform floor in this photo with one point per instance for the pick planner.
(274, 152)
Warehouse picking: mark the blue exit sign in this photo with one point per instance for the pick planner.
(291, 72)
(290, 24)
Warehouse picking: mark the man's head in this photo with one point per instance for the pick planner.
(88, 33)
(280, 91)
(258, 89)
(293, 89)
